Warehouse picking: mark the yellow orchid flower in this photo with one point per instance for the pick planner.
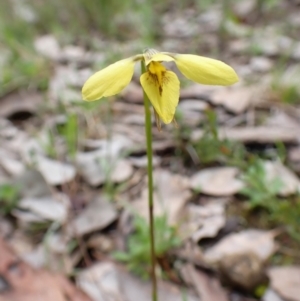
(160, 85)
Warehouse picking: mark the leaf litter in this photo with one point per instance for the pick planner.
(63, 208)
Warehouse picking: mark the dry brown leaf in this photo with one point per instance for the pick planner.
(122, 172)
(197, 91)
(238, 98)
(240, 257)
(55, 172)
(285, 119)
(96, 172)
(207, 287)
(100, 282)
(286, 281)
(190, 252)
(135, 133)
(6, 227)
(96, 216)
(256, 241)
(296, 51)
(53, 253)
(66, 76)
(10, 163)
(48, 46)
(289, 78)
(243, 8)
(105, 281)
(192, 111)
(261, 64)
(32, 184)
(77, 54)
(25, 218)
(289, 182)
(294, 158)
(72, 53)
(104, 163)
(257, 134)
(245, 270)
(23, 283)
(48, 208)
(133, 93)
(179, 26)
(3, 177)
(20, 102)
(210, 20)
(129, 108)
(133, 119)
(217, 181)
(294, 154)
(13, 138)
(20, 243)
(101, 243)
(193, 105)
(170, 196)
(204, 221)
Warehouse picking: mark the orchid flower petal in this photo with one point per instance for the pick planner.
(164, 96)
(109, 81)
(205, 70)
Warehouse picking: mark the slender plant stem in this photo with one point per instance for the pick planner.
(148, 130)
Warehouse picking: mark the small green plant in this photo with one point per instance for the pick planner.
(138, 256)
(260, 191)
(48, 144)
(8, 198)
(70, 132)
(287, 94)
(210, 148)
(287, 213)
(263, 193)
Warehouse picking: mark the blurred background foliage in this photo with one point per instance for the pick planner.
(92, 24)
(118, 29)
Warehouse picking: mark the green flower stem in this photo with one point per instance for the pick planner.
(148, 130)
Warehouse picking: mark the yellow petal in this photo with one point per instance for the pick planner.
(152, 55)
(165, 96)
(159, 57)
(110, 80)
(204, 70)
